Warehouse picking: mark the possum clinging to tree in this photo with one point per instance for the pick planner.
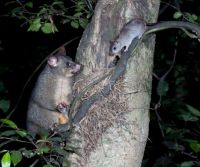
(52, 95)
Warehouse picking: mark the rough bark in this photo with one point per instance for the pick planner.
(120, 144)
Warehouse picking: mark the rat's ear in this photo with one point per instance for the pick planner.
(112, 41)
(52, 61)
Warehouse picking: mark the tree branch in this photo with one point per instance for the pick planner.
(121, 66)
(119, 71)
(174, 24)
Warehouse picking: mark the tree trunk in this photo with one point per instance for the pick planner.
(115, 130)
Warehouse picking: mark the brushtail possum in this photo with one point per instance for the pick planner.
(52, 94)
(133, 29)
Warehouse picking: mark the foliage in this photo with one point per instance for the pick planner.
(175, 129)
(51, 150)
(16, 144)
(44, 17)
(187, 16)
(4, 103)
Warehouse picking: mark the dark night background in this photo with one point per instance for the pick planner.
(23, 51)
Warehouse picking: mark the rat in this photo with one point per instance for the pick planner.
(133, 29)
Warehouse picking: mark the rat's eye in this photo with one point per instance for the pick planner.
(124, 48)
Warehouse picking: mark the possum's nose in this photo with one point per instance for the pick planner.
(77, 68)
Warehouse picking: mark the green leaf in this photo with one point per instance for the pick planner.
(3, 151)
(80, 6)
(8, 133)
(16, 11)
(42, 150)
(188, 117)
(194, 17)
(162, 88)
(48, 28)
(80, 3)
(177, 15)
(75, 24)
(22, 133)
(48, 165)
(168, 130)
(89, 15)
(67, 162)
(191, 17)
(9, 123)
(191, 141)
(29, 4)
(56, 139)
(35, 25)
(2, 88)
(58, 3)
(78, 9)
(77, 14)
(195, 147)
(193, 110)
(42, 11)
(55, 162)
(83, 23)
(60, 151)
(174, 146)
(6, 161)
(4, 105)
(69, 17)
(179, 80)
(54, 28)
(45, 149)
(187, 164)
(64, 21)
(16, 157)
(28, 153)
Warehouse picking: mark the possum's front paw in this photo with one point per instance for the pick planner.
(63, 119)
(63, 108)
(53, 127)
(61, 126)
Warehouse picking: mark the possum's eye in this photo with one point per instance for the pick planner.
(114, 48)
(69, 64)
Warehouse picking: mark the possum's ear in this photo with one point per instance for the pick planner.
(61, 50)
(52, 61)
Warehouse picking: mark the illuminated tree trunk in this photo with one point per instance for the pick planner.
(114, 132)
